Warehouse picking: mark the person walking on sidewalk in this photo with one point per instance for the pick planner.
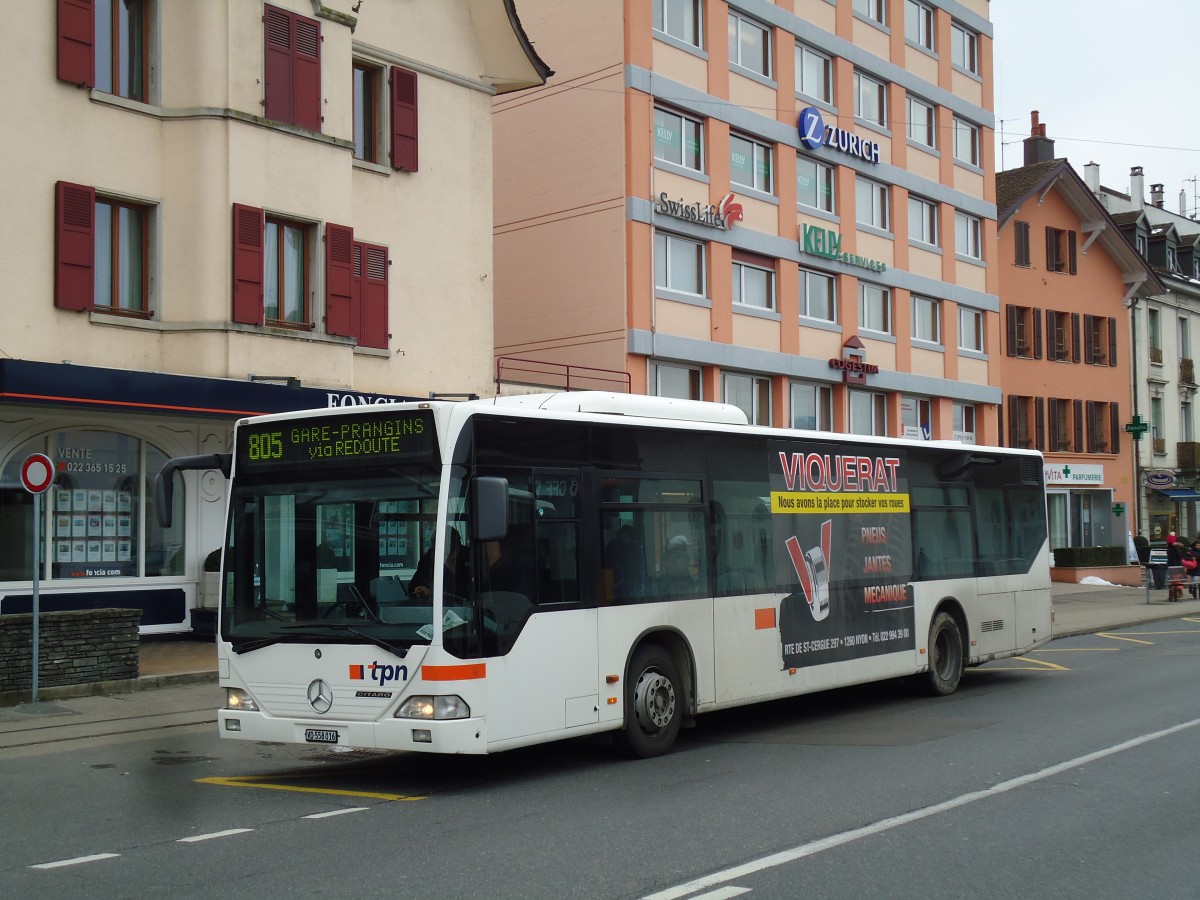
(1175, 569)
(1191, 563)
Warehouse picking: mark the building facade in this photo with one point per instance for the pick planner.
(218, 209)
(788, 206)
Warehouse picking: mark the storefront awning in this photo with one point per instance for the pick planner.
(63, 384)
(1180, 495)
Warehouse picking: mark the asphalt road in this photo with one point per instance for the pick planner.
(1069, 774)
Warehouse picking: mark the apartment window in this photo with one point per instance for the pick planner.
(366, 112)
(1060, 251)
(922, 121)
(964, 422)
(1173, 261)
(1058, 421)
(680, 19)
(1154, 334)
(285, 273)
(292, 75)
(970, 329)
(1185, 338)
(1100, 340)
(120, 273)
(874, 307)
(872, 204)
(1156, 418)
(1021, 242)
(916, 417)
(1143, 245)
(1024, 331)
(403, 85)
(966, 141)
(1058, 335)
(680, 382)
(922, 220)
(964, 48)
(749, 45)
(812, 406)
(875, 10)
(1187, 433)
(679, 264)
(678, 139)
(870, 99)
(749, 393)
(814, 73)
(926, 320)
(814, 184)
(356, 288)
(104, 44)
(818, 296)
(918, 24)
(1103, 427)
(868, 413)
(1022, 423)
(967, 239)
(753, 281)
(750, 164)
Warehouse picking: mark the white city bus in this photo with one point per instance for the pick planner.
(600, 562)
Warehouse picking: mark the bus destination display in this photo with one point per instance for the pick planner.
(374, 437)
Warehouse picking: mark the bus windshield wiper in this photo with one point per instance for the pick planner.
(397, 649)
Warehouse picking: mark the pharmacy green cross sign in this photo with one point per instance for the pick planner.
(1137, 428)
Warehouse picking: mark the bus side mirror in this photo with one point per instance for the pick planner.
(489, 508)
(165, 482)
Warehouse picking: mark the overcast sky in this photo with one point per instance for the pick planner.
(1116, 82)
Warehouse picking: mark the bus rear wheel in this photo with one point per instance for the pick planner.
(945, 655)
(653, 704)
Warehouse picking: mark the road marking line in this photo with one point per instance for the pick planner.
(846, 837)
(76, 861)
(1079, 650)
(251, 781)
(337, 812)
(216, 834)
(1043, 663)
(1117, 637)
(722, 893)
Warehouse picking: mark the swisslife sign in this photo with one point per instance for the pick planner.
(716, 215)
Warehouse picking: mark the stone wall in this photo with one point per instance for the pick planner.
(74, 647)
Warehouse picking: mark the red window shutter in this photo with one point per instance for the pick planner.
(341, 310)
(373, 291)
(74, 246)
(404, 119)
(1037, 333)
(277, 76)
(1112, 342)
(306, 74)
(76, 42)
(248, 227)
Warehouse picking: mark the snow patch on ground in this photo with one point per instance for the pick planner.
(1093, 579)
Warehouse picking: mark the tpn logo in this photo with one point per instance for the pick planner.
(380, 673)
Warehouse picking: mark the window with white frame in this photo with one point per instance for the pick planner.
(749, 44)
(964, 48)
(926, 319)
(875, 10)
(679, 382)
(749, 393)
(680, 19)
(916, 417)
(870, 99)
(750, 164)
(678, 139)
(874, 307)
(818, 295)
(868, 412)
(966, 141)
(753, 281)
(922, 121)
(871, 204)
(918, 23)
(814, 73)
(922, 220)
(964, 422)
(679, 264)
(970, 329)
(967, 230)
(811, 406)
(814, 184)
(1185, 338)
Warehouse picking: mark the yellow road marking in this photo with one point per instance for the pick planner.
(255, 781)
(1036, 665)
(1080, 650)
(1117, 637)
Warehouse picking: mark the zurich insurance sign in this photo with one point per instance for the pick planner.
(814, 133)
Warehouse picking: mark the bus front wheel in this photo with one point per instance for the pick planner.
(945, 655)
(653, 704)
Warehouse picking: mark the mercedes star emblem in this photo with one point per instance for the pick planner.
(320, 696)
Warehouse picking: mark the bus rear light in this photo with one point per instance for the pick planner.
(236, 698)
(435, 707)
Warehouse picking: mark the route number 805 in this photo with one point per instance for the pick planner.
(268, 445)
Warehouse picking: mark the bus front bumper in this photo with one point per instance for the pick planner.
(419, 735)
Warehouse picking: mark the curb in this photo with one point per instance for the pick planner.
(94, 688)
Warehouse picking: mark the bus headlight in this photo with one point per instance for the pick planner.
(236, 698)
(437, 707)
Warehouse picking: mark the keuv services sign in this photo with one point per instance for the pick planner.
(827, 243)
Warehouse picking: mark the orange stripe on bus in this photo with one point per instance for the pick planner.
(454, 673)
(764, 618)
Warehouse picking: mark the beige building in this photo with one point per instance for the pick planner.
(785, 205)
(221, 208)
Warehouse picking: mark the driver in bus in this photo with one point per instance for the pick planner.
(455, 575)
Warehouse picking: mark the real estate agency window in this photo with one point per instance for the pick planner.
(964, 48)
(368, 82)
(753, 280)
(814, 184)
(812, 405)
(918, 24)
(679, 264)
(964, 422)
(818, 295)
(868, 413)
(970, 329)
(678, 139)
(122, 232)
(749, 45)
(680, 19)
(874, 307)
(926, 319)
(968, 240)
(680, 382)
(922, 220)
(922, 121)
(1021, 244)
(814, 74)
(1060, 251)
(870, 99)
(750, 164)
(749, 393)
(285, 273)
(966, 141)
(871, 203)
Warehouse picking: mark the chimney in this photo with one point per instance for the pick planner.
(1137, 187)
(1038, 147)
(1182, 202)
(1091, 175)
(1156, 195)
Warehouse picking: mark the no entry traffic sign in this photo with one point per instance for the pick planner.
(37, 473)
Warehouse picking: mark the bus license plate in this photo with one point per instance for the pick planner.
(320, 736)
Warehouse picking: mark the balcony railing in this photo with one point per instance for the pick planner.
(1187, 371)
(1160, 446)
(1188, 453)
(1156, 355)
